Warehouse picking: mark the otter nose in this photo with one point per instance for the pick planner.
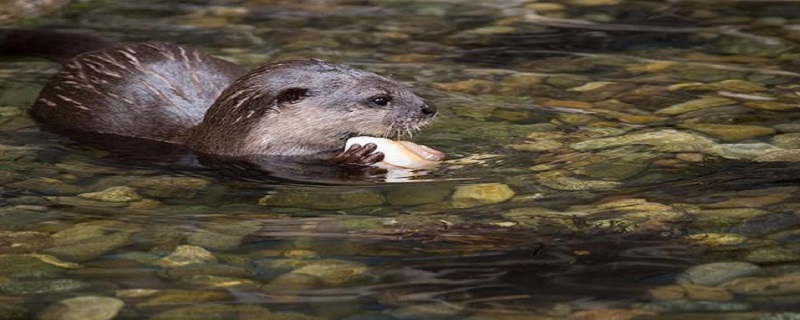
(428, 109)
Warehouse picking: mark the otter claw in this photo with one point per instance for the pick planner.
(357, 155)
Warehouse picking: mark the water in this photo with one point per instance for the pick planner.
(605, 155)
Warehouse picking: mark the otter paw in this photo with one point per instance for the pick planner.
(360, 156)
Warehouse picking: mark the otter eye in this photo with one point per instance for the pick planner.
(292, 95)
(381, 100)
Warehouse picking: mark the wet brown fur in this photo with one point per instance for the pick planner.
(165, 92)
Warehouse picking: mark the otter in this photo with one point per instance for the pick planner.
(170, 93)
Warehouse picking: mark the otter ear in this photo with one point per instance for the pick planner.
(291, 95)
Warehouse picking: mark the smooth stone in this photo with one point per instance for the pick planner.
(83, 308)
(561, 180)
(764, 286)
(731, 85)
(320, 273)
(717, 239)
(334, 272)
(170, 187)
(712, 274)
(113, 194)
(729, 132)
(44, 286)
(772, 255)
(27, 266)
(85, 230)
(323, 199)
(80, 202)
(690, 157)
(24, 241)
(428, 311)
(770, 106)
(300, 254)
(792, 155)
(185, 255)
(669, 292)
(665, 140)
(742, 151)
(90, 248)
(292, 281)
(473, 195)
(696, 292)
(787, 140)
(695, 105)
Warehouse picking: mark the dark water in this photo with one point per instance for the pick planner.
(605, 155)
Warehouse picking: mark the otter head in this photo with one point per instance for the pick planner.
(307, 107)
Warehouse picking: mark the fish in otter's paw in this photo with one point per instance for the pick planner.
(169, 93)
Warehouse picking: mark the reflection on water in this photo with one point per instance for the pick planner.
(609, 159)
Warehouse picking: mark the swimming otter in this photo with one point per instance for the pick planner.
(166, 92)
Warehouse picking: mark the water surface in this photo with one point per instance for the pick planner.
(610, 159)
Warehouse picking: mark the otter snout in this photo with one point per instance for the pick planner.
(428, 109)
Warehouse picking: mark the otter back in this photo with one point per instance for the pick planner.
(149, 90)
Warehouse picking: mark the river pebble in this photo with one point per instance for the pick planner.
(473, 195)
(113, 194)
(83, 308)
(712, 274)
(186, 255)
(90, 248)
(763, 286)
(170, 187)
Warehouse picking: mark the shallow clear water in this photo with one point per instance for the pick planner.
(610, 159)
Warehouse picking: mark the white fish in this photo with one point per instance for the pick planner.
(402, 154)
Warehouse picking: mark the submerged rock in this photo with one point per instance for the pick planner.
(729, 132)
(90, 248)
(44, 286)
(113, 194)
(664, 140)
(170, 187)
(695, 105)
(83, 308)
(186, 255)
(473, 195)
(319, 273)
(764, 286)
(712, 274)
(560, 180)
